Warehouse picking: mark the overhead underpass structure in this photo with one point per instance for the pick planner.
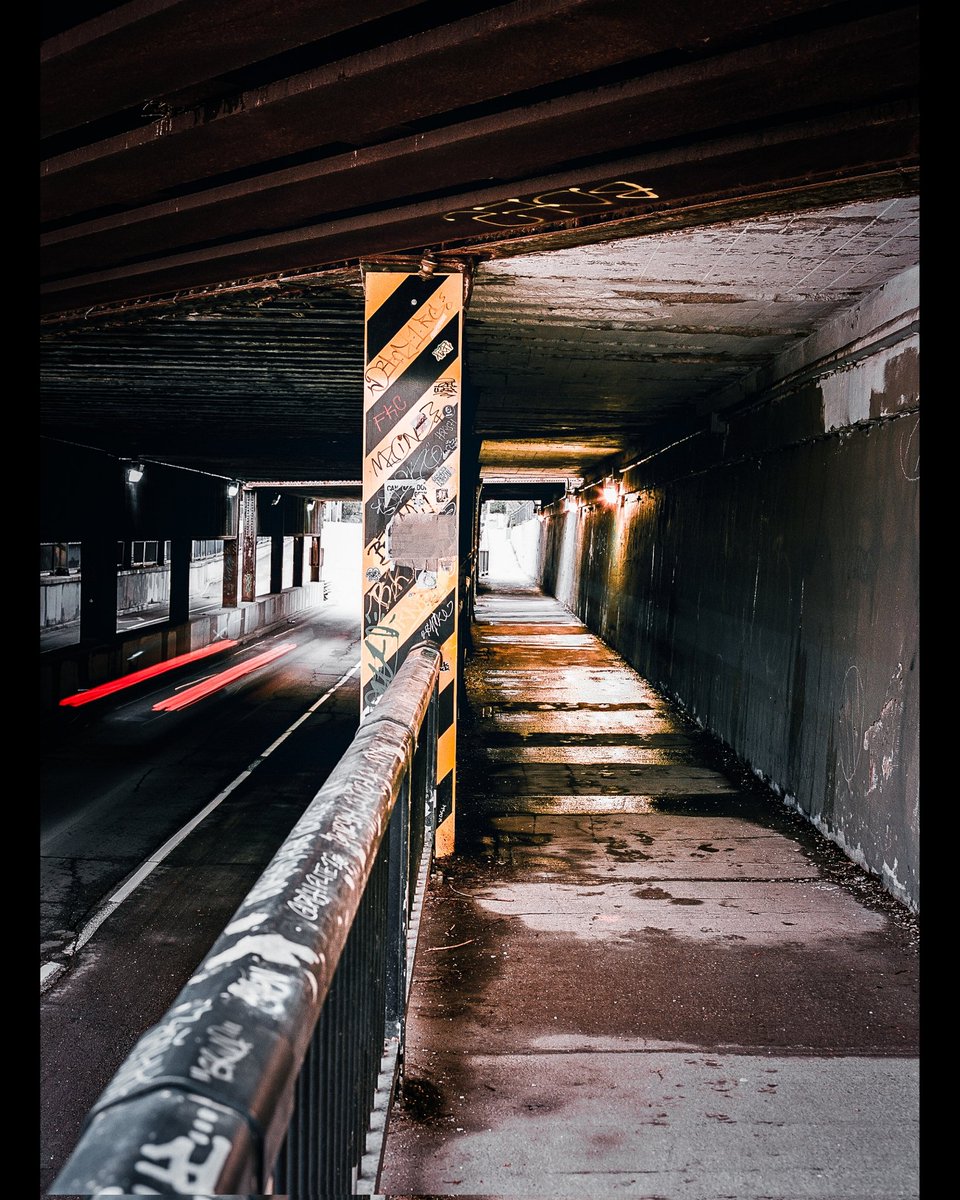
(633, 293)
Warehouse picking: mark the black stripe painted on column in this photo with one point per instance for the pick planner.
(444, 797)
(382, 597)
(428, 457)
(422, 373)
(437, 628)
(445, 713)
(397, 309)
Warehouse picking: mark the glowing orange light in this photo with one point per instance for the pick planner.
(611, 494)
(216, 682)
(125, 681)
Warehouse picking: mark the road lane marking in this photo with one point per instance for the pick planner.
(50, 971)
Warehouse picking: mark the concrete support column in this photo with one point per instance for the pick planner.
(231, 573)
(98, 589)
(298, 561)
(276, 563)
(412, 509)
(314, 528)
(180, 555)
(248, 547)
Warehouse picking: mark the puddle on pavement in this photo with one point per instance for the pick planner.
(639, 721)
(504, 706)
(574, 805)
(542, 639)
(591, 754)
(581, 684)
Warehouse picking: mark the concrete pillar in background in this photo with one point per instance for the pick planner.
(98, 588)
(180, 555)
(248, 547)
(231, 572)
(276, 563)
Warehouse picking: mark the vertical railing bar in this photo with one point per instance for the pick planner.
(346, 1076)
(317, 1105)
(335, 1068)
(357, 1037)
(306, 1135)
(328, 1124)
(369, 997)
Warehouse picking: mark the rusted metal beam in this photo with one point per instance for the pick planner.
(158, 47)
(875, 140)
(535, 42)
(760, 85)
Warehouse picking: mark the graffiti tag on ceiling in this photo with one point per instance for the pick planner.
(547, 206)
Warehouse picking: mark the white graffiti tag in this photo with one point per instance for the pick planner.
(172, 1163)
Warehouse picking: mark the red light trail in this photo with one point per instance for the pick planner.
(216, 682)
(125, 681)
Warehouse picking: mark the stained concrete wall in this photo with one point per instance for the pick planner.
(766, 576)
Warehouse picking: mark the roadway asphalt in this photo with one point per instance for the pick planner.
(642, 974)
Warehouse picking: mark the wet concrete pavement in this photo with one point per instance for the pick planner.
(642, 974)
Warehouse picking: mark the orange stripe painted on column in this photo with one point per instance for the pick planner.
(444, 839)
(446, 752)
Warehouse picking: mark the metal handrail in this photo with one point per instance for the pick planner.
(263, 1074)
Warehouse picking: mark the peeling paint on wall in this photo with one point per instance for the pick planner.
(878, 386)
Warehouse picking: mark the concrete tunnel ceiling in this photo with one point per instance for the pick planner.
(574, 354)
(653, 205)
(599, 347)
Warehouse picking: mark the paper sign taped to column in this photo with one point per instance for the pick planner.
(419, 539)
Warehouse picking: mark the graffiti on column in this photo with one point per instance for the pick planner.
(412, 381)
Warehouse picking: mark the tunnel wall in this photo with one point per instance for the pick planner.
(765, 575)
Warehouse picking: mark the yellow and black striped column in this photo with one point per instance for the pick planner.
(411, 501)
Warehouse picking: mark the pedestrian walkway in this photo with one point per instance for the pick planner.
(641, 974)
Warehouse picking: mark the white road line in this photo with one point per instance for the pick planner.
(51, 970)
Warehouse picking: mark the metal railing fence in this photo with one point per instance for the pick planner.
(274, 1069)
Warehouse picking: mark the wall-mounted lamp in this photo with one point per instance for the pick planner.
(610, 492)
(311, 505)
(134, 472)
(233, 489)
